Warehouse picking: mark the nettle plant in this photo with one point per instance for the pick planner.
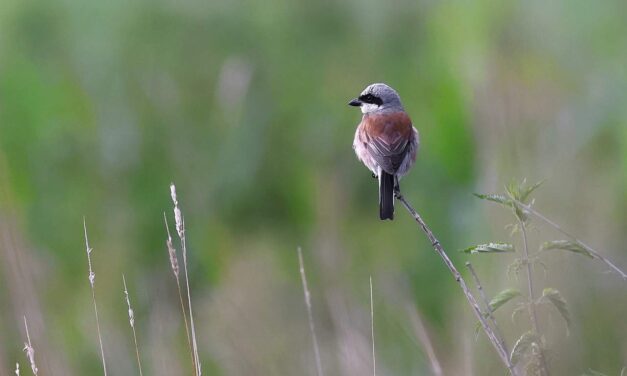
(528, 355)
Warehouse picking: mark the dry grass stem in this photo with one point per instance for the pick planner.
(312, 327)
(92, 282)
(131, 321)
(30, 352)
(180, 229)
(435, 243)
(421, 333)
(374, 359)
(174, 264)
(486, 301)
(17, 369)
(592, 251)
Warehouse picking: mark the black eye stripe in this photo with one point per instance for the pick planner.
(369, 98)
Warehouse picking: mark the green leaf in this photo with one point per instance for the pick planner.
(592, 372)
(526, 191)
(495, 198)
(554, 297)
(519, 309)
(489, 248)
(522, 346)
(534, 368)
(513, 189)
(566, 245)
(502, 298)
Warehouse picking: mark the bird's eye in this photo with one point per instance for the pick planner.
(369, 98)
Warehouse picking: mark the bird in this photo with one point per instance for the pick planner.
(385, 141)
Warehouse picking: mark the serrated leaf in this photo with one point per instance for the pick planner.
(519, 309)
(494, 198)
(533, 368)
(513, 189)
(554, 296)
(566, 245)
(502, 298)
(522, 346)
(526, 191)
(592, 372)
(489, 248)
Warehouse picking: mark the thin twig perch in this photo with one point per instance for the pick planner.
(435, 243)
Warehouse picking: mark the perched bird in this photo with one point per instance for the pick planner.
(385, 141)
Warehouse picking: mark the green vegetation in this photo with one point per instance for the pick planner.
(242, 104)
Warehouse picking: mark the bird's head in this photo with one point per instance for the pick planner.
(377, 98)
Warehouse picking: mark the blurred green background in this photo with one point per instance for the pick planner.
(242, 104)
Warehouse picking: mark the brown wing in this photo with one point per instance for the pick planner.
(387, 139)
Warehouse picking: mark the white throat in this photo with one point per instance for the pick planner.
(371, 108)
(367, 108)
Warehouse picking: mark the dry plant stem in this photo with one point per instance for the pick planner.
(131, 320)
(189, 305)
(595, 253)
(374, 359)
(312, 327)
(497, 331)
(532, 305)
(421, 333)
(175, 270)
(30, 352)
(92, 282)
(471, 299)
(180, 229)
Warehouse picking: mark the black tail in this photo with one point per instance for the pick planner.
(386, 196)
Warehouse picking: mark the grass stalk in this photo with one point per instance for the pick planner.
(92, 282)
(174, 264)
(131, 321)
(374, 359)
(312, 327)
(180, 229)
(421, 334)
(30, 352)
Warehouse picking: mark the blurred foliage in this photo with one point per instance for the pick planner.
(243, 105)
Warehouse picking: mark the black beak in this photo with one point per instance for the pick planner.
(355, 103)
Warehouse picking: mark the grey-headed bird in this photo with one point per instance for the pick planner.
(385, 141)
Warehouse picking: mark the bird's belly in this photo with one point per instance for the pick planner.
(364, 156)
